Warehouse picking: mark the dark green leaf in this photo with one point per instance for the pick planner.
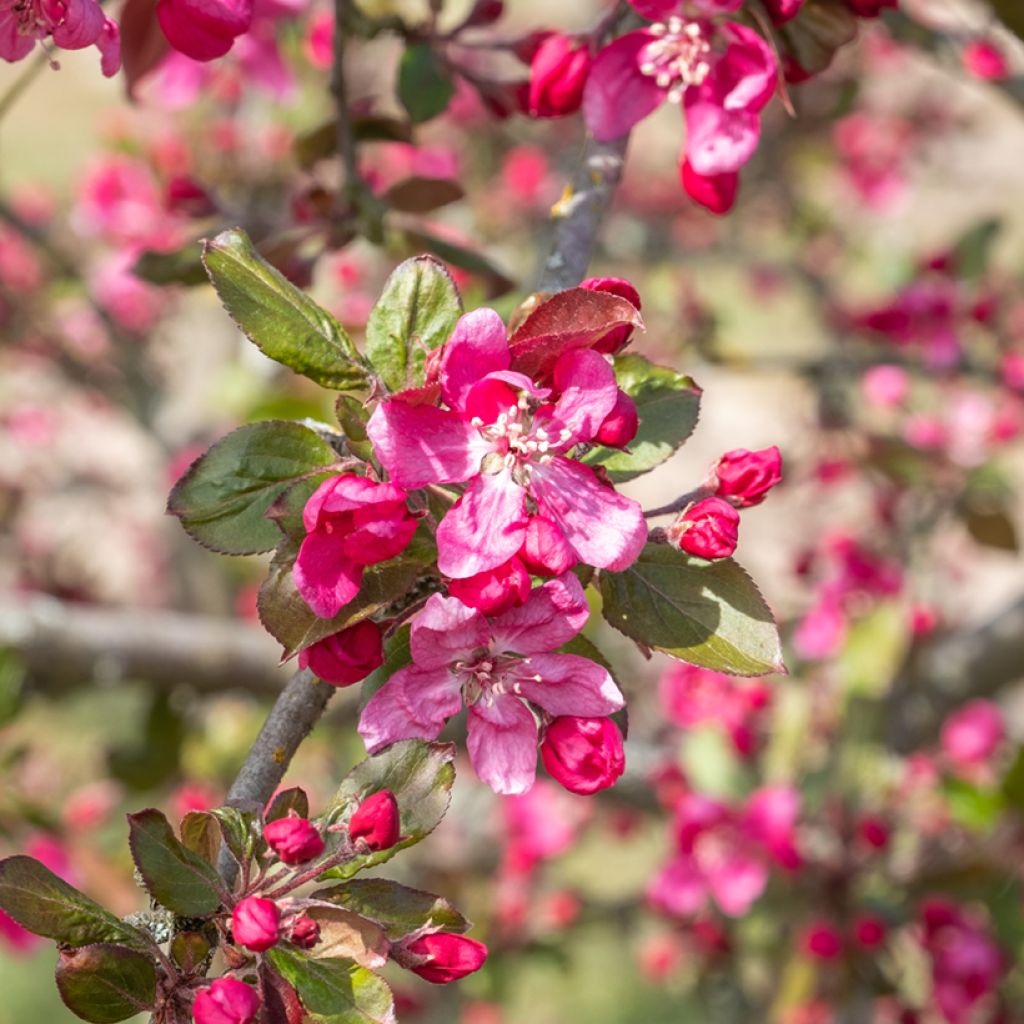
(415, 313)
(419, 774)
(494, 280)
(335, 991)
(398, 909)
(668, 405)
(424, 87)
(182, 266)
(223, 498)
(975, 807)
(46, 905)
(154, 756)
(279, 318)
(288, 800)
(190, 949)
(321, 143)
(176, 878)
(104, 983)
(707, 613)
(973, 250)
(1013, 782)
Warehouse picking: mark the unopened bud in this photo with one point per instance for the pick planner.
(745, 477)
(255, 923)
(376, 821)
(449, 957)
(558, 73)
(294, 840)
(226, 1001)
(346, 657)
(583, 754)
(708, 529)
(621, 424)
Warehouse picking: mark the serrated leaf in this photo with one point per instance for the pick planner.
(286, 801)
(416, 313)
(424, 86)
(399, 910)
(345, 935)
(46, 905)
(280, 319)
(420, 775)
(335, 991)
(668, 404)
(707, 613)
(176, 878)
(105, 983)
(223, 498)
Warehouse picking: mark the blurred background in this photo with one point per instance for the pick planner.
(850, 835)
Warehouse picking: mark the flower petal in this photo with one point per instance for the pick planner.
(719, 141)
(413, 704)
(324, 576)
(735, 881)
(478, 346)
(568, 685)
(746, 76)
(484, 528)
(678, 888)
(421, 444)
(502, 742)
(587, 383)
(552, 615)
(604, 528)
(617, 94)
(446, 630)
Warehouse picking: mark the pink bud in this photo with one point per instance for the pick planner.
(615, 340)
(971, 735)
(186, 195)
(621, 424)
(494, 591)
(985, 60)
(869, 931)
(709, 529)
(558, 72)
(545, 551)
(745, 478)
(255, 923)
(203, 29)
(304, 932)
(376, 821)
(226, 1001)
(294, 840)
(823, 940)
(873, 831)
(583, 754)
(346, 657)
(781, 11)
(450, 957)
(716, 193)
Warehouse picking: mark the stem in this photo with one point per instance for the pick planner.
(342, 855)
(681, 502)
(346, 141)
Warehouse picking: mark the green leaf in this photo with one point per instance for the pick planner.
(422, 195)
(280, 319)
(972, 251)
(104, 983)
(398, 909)
(668, 404)
(200, 833)
(814, 36)
(416, 312)
(286, 801)
(292, 622)
(223, 498)
(420, 775)
(238, 830)
(46, 905)
(494, 280)
(1011, 14)
(424, 87)
(974, 807)
(707, 613)
(335, 991)
(874, 650)
(176, 878)
(1013, 782)
(182, 266)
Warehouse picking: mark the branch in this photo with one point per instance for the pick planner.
(63, 645)
(952, 670)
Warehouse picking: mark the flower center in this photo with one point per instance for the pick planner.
(678, 58)
(29, 17)
(485, 677)
(518, 438)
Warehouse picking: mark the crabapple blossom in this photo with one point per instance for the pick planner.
(822, 940)
(984, 59)
(708, 529)
(376, 821)
(869, 931)
(203, 29)
(295, 840)
(255, 923)
(498, 668)
(68, 24)
(558, 73)
(445, 956)
(973, 733)
(346, 657)
(495, 590)
(303, 932)
(583, 754)
(226, 1001)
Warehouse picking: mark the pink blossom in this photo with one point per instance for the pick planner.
(545, 551)
(445, 957)
(869, 931)
(69, 24)
(319, 42)
(745, 478)
(346, 657)
(135, 304)
(984, 59)
(558, 73)
(885, 386)
(822, 940)
(875, 150)
(708, 529)
(540, 824)
(351, 522)
(495, 590)
(499, 668)
(255, 923)
(526, 175)
(821, 632)
(972, 734)
(226, 1001)
(295, 840)
(203, 29)
(499, 434)
(583, 754)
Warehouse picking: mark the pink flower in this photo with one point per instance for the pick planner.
(495, 666)
(203, 29)
(619, 427)
(346, 657)
(495, 590)
(822, 940)
(295, 840)
(715, 192)
(971, 735)
(539, 825)
(583, 754)
(226, 1001)
(558, 73)
(984, 59)
(821, 632)
(69, 24)
(545, 551)
(869, 931)
(708, 529)
(885, 386)
(255, 923)
(351, 522)
(445, 957)
(376, 821)
(745, 477)
(500, 435)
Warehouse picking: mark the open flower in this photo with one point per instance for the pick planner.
(498, 668)
(502, 435)
(70, 24)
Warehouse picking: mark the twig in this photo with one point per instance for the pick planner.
(345, 136)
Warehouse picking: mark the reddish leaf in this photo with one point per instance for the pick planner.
(280, 1001)
(421, 195)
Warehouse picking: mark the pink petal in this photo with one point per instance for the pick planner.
(478, 346)
(446, 630)
(746, 75)
(552, 615)
(13, 43)
(325, 578)
(617, 95)
(679, 889)
(604, 528)
(719, 141)
(82, 25)
(587, 383)
(484, 528)
(109, 45)
(568, 685)
(420, 444)
(736, 882)
(413, 704)
(502, 742)
(656, 10)
(346, 494)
